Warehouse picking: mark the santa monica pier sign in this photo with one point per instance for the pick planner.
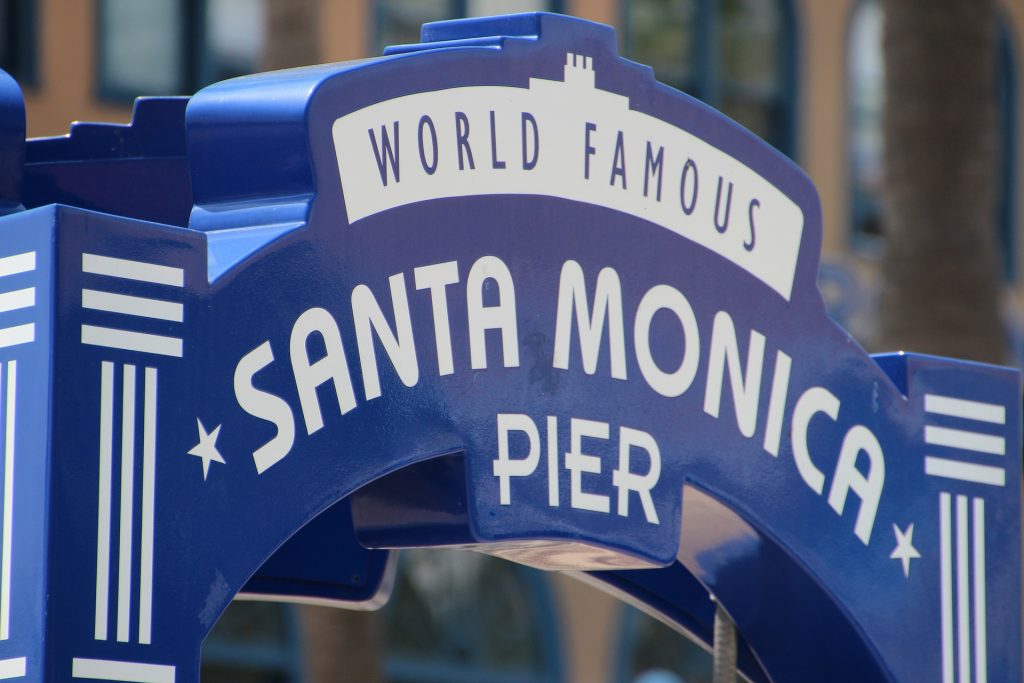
(501, 291)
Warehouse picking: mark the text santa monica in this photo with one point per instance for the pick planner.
(586, 313)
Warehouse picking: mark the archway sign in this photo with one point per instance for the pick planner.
(500, 290)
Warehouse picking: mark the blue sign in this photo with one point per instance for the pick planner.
(500, 290)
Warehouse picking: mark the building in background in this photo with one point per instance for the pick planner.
(807, 76)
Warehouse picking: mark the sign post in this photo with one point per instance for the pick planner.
(499, 290)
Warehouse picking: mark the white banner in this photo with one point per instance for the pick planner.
(567, 139)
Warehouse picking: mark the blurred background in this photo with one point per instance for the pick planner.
(904, 113)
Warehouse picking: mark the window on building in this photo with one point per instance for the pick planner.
(736, 55)
(462, 616)
(866, 78)
(175, 47)
(18, 39)
(142, 51)
(235, 39)
(398, 22)
(651, 652)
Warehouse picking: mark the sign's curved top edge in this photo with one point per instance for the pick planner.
(535, 52)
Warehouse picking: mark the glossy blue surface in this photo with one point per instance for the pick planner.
(244, 404)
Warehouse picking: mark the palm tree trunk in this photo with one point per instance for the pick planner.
(340, 646)
(292, 33)
(942, 280)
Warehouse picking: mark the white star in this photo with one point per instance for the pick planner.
(905, 550)
(206, 449)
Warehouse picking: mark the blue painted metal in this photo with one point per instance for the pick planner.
(144, 165)
(182, 402)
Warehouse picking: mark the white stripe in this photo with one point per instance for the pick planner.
(132, 672)
(12, 668)
(980, 616)
(969, 410)
(553, 461)
(19, 334)
(103, 507)
(777, 403)
(131, 341)
(964, 471)
(133, 270)
(103, 511)
(969, 441)
(963, 595)
(124, 567)
(148, 504)
(19, 263)
(132, 305)
(946, 567)
(18, 299)
(8, 523)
